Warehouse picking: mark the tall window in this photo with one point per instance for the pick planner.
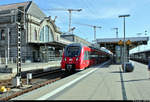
(42, 34)
(51, 38)
(2, 34)
(46, 34)
(35, 32)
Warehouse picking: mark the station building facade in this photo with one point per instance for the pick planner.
(39, 34)
(41, 39)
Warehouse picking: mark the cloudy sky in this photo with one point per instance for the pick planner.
(102, 13)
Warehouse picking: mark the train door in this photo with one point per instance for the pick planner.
(85, 60)
(118, 55)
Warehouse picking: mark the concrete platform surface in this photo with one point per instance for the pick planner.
(7, 73)
(97, 83)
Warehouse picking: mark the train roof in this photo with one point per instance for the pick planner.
(96, 47)
(106, 50)
(77, 44)
(141, 51)
(93, 46)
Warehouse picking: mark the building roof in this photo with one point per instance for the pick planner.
(148, 50)
(30, 8)
(110, 43)
(14, 5)
(35, 11)
(75, 38)
(132, 39)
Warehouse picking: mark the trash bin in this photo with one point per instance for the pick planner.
(129, 67)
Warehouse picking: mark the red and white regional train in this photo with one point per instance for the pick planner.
(77, 57)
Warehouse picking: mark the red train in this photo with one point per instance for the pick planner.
(77, 57)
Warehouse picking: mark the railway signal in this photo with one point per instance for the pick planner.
(19, 26)
(19, 50)
(94, 27)
(70, 11)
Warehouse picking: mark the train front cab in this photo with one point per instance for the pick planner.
(71, 58)
(68, 64)
(76, 63)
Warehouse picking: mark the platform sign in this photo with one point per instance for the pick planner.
(128, 42)
(120, 42)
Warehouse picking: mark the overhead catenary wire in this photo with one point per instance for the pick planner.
(88, 7)
(91, 8)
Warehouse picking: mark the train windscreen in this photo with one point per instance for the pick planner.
(72, 51)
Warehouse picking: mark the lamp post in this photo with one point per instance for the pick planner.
(116, 32)
(145, 35)
(124, 40)
(145, 32)
(138, 34)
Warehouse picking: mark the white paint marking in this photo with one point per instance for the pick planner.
(66, 85)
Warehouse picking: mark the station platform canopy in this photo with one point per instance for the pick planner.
(132, 42)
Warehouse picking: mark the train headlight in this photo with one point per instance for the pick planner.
(77, 59)
(65, 59)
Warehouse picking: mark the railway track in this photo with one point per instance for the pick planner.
(38, 80)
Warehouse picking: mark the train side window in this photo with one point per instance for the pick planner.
(87, 53)
(84, 55)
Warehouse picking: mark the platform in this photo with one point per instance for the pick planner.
(8, 73)
(97, 83)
